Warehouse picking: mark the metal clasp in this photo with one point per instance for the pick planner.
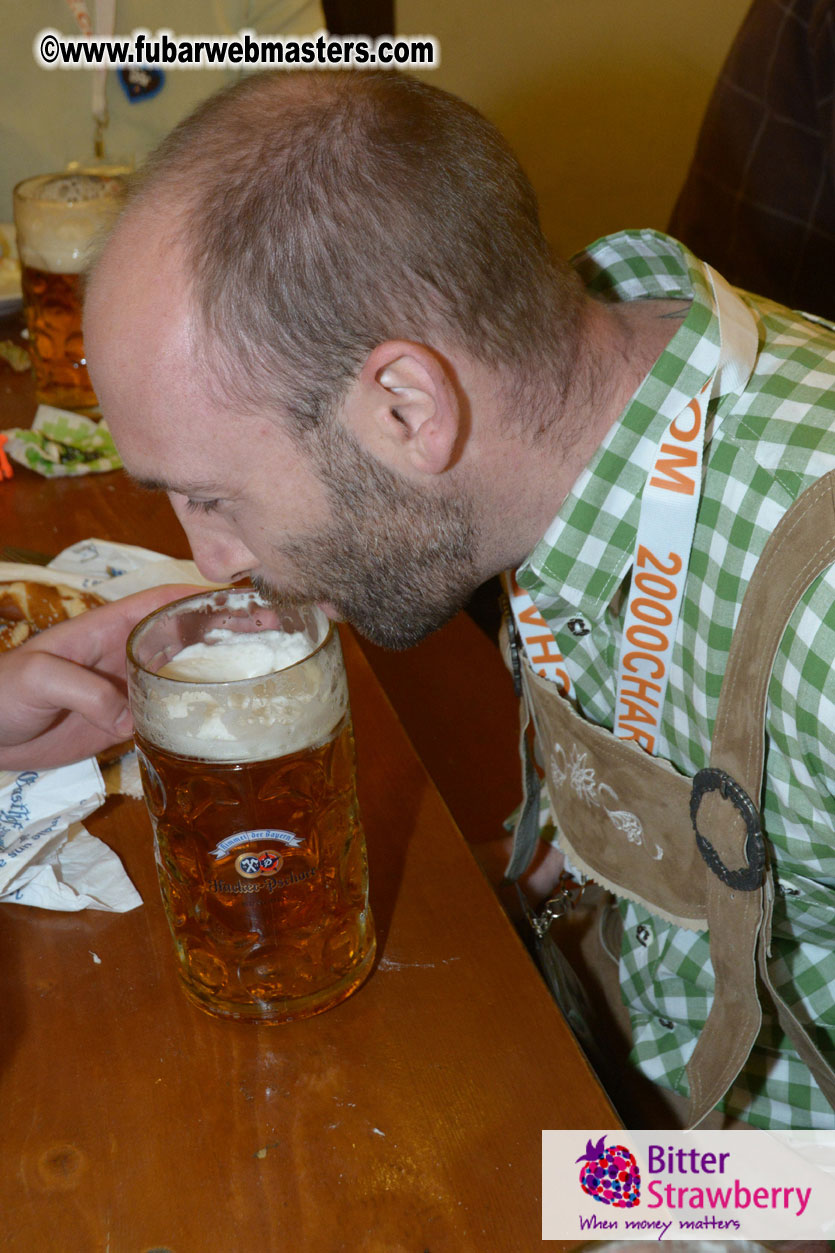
(564, 899)
(748, 878)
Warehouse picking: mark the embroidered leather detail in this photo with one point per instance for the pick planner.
(581, 777)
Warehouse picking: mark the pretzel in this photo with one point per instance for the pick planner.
(28, 608)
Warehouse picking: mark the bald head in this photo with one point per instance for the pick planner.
(139, 312)
(314, 216)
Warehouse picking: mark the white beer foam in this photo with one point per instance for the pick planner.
(201, 705)
(59, 217)
(227, 655)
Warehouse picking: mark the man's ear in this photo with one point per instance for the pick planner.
(405, 409)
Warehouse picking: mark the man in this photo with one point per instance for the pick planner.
(328, 325)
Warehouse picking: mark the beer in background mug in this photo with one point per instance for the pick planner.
(247, 757)
(57, 219)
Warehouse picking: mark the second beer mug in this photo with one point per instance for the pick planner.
(247, 758)
(57, 219)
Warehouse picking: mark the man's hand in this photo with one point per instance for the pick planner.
(63, 693)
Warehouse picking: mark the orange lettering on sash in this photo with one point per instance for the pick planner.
(647, 557)
(532, 617)
(550, 652)
(634, 711)
(644, 738)
(653, 638)
(561, 678)
(657, 663)
(689, 432)
(640, 688)
(652, 611)
(655, 585)
(684, 457)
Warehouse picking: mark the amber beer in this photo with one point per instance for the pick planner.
(260, 853)
(57, 219)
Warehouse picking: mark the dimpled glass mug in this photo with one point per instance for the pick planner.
(247, 758)
(58, 218)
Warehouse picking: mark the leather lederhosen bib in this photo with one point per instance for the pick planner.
(691, 850)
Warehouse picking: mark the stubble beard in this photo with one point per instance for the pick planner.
(395, 561)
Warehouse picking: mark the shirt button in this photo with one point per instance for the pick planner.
(578, 627)
(787, 891)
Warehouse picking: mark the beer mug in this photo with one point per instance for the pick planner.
(57, 218)
(246, 751)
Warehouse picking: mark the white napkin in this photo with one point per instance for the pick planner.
(117, 570)
(47, 858)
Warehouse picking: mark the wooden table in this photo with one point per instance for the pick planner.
(408, 1118)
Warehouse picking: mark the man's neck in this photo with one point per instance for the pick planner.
(620, 345)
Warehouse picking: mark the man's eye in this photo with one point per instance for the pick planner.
(202, 506)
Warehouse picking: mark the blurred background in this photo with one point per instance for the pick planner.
(601, 99)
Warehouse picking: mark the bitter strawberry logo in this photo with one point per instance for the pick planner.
(610, 1175)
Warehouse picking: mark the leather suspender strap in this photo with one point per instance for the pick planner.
(726, 797)
(629, 820)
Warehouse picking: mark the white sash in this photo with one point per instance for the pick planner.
(664, 539)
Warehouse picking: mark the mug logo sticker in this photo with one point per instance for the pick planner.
(253, 865)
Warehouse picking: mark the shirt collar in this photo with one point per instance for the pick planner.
(586, 551)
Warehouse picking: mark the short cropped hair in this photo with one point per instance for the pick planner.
(324, 213)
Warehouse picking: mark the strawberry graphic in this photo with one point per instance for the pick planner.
(610, 1175)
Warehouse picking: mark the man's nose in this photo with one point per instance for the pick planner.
(219, 554)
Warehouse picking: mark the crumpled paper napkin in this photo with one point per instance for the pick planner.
(61, 443)
(47, 858)
(116, 570)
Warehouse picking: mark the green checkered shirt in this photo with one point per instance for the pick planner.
(769, 443)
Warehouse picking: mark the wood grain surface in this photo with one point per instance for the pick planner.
(408, 1118)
